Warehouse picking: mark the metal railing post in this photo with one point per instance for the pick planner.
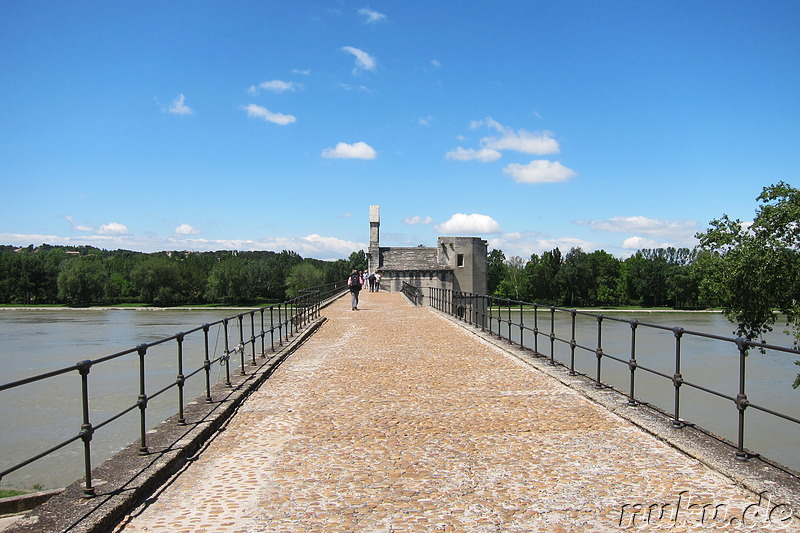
(180, 380)
(240, 346)
(142, 402)
(599, 352)
(253, 336)
(677, 378)
(741, 401)
(271, 329)
(552, 335)
(227, 356)
(572, 344)
(632, 364)
(206, 363)
(263, 347)
(86, 428)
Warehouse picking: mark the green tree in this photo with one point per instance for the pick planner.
(228, 281)
(513, 282)
(606, 272)
(357, 261)
(155, 280)
(303, 276)
(495, 270)
(543, 278)
(82, 280)
(575, 277)
(759, 264)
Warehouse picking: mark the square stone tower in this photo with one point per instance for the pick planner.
(374, 255)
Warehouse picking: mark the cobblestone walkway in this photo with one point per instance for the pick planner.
(393, 419)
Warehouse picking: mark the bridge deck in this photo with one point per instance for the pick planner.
(392, 418)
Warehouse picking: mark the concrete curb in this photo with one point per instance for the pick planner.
(127, 478)
(778, 484)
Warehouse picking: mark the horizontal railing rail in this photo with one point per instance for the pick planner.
(251, 337)
(413, 293)
(499, 317)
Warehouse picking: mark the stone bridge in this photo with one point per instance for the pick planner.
(394, 418)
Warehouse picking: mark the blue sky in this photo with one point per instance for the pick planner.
(257, 125)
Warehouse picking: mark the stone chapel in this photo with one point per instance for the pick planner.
(457, 263)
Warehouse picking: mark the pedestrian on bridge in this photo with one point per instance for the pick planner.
(354, 282)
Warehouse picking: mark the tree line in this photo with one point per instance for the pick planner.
(671, 277)
(84, 275)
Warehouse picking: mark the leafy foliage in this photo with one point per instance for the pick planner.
(758, 265)
(86, 276)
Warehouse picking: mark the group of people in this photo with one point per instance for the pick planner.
(358, 280)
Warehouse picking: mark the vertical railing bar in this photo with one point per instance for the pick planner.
(207, 363)
(632, 364)
(552, 335)
(677, 378)
(741, 401)
(253, 336)
(599, 352)
(263, 333)
(87, 431)
(227, 355)
(240, 347)
(180, 379)
(142, 401)
(271, 329)
(572, 344)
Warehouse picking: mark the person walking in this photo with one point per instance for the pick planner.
(354, 282)
(371, 279)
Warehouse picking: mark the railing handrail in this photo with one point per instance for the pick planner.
(412, 292)
(476, 309)
(292, 316)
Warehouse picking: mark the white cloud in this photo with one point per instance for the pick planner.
(77, 226)
(539, 171)
(411, 221)
(348, 87)
(113, 228)
(470, 154)
(640, 243)
(275, 86)
(425, 121)
(524, 244)
(186, 229)
(435, 63)
(257, 111)
(646, 226)
(306, 72)
(359, 150)
(539, 143)
(474, 224)
(371, 16)
(364, 61)
(346, 215)
(179, 107)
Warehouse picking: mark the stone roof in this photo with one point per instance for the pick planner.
(408, 259)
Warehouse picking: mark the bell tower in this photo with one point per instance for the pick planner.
(374, 253)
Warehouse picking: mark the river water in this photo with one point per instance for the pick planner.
(40, 415)
(710, 363)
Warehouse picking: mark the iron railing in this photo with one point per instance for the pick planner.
(413, 293)
(497, 316)
(286, 319)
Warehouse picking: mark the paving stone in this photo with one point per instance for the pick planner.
(394, 419)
